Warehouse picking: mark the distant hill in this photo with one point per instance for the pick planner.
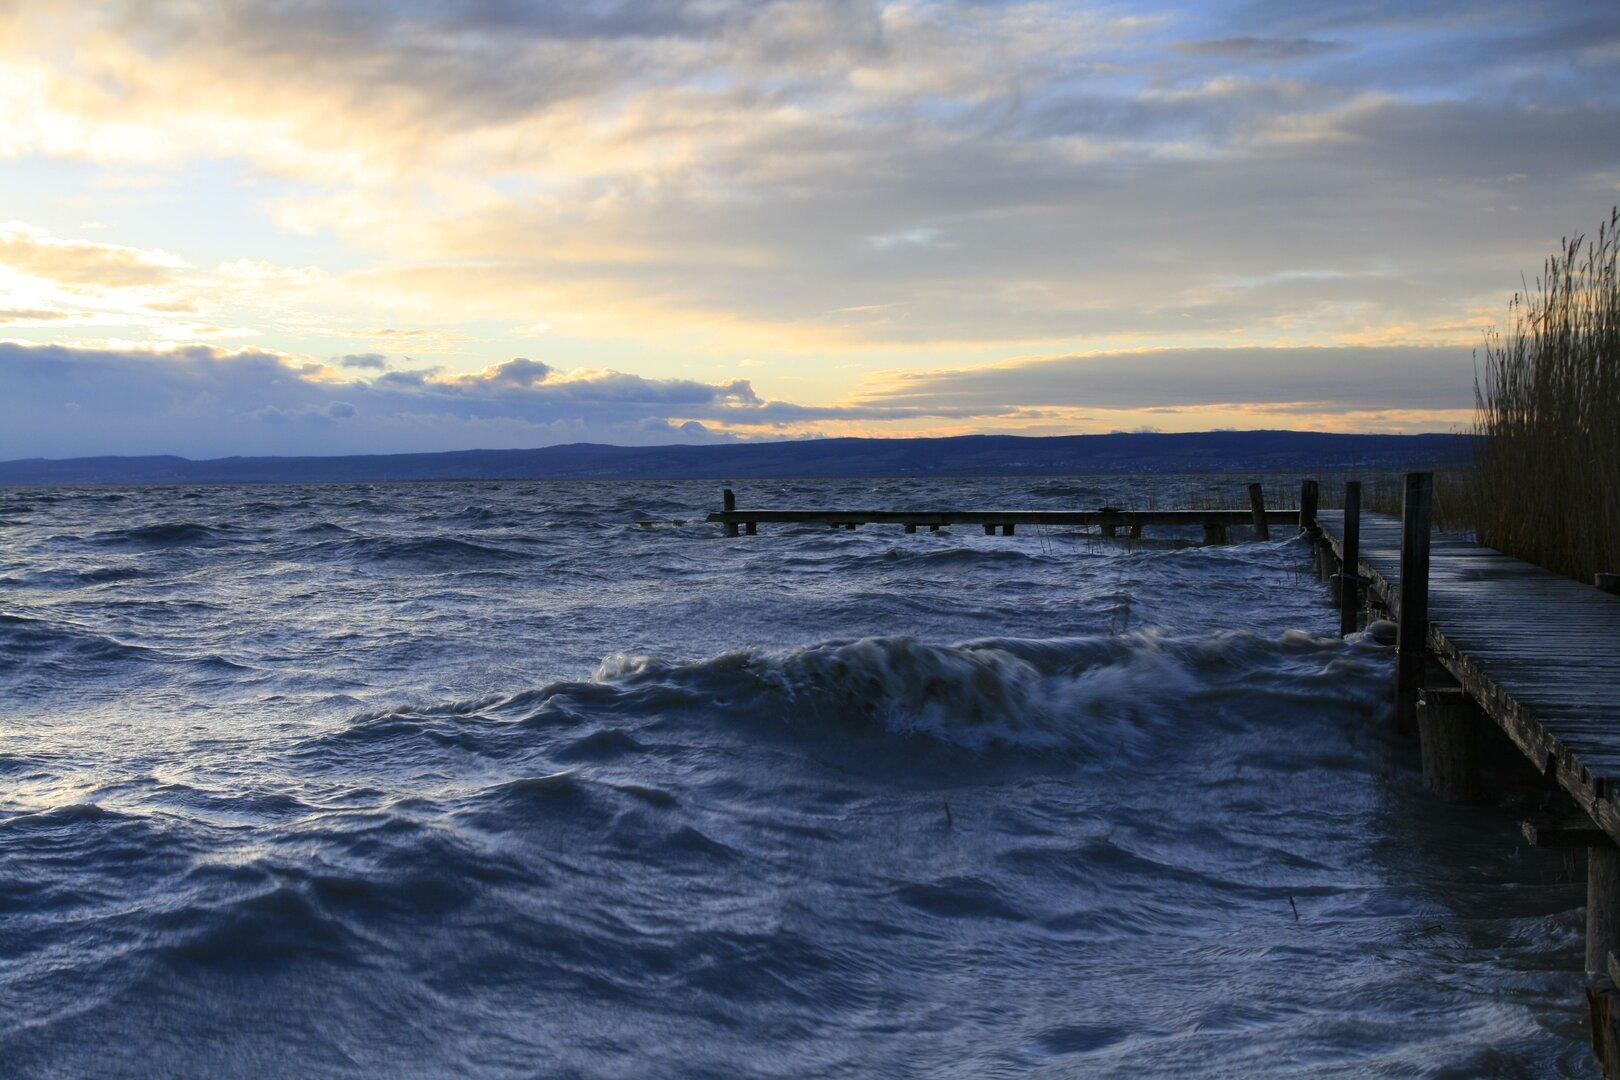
(965, 455)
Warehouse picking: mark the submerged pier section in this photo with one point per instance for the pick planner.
(1107, 520)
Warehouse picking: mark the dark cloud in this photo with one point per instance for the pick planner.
(374, 361)
(1258, 48)
(1341, 379)
(57, 401)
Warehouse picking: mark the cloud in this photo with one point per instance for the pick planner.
(204, 401)
(1313, 380)
(1259, 48)
(35, 252)
(374, 361)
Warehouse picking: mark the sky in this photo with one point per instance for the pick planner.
(234, 227)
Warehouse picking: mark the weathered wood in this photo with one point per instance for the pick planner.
(1127, 518)
(1350, 548)
(1109, 529)
(1008, 528)
(1308, 497)
(1602, 905)
(1257, 509)
(751, 527)
(1447, 728)
(728, 499)
(1603, 1005)
(911, 526)
(1579, 832)
(1609, 583)
(1411, 642)
(1325, 561)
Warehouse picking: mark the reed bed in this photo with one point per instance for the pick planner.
(1546, 475)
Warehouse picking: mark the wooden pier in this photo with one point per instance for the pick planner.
(1484, 639)
(1489, 639)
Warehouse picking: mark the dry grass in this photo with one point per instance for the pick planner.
(1546, 480)
(1381, 493)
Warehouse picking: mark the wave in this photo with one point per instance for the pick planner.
(428, 551)
(163, 534)
(983, 555)
(1089, 694)
(1060, 488)
(1093, 695)
(323, 528)
(38, 641)
(64, 577)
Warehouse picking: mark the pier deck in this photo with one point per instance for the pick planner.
(1539, 652)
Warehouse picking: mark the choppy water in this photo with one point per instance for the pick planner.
(482, 778)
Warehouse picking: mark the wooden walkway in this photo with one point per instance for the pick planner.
(1539, 652)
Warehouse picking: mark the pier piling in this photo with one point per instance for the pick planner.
(1602, 904)
(1412, 636)
(1257, 507)
(1350, 571)
(729, 499)
(1308, 495)
(1448, 729)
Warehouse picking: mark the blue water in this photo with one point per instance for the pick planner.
(486, 779)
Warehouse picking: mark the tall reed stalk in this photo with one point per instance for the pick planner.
(1547, 471)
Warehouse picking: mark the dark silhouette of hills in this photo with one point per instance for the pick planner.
(965, 455)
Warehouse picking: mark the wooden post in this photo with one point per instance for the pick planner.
(1257, 507)
(1609, 583)
(1136, 530)
(751, 527)
(1350, 581)
(1110, 530)
(1449, 732)
(933, 528)
(989, 530)
(729, 500)
(1603, 999)
(1007, 529)
(1412, 638)
(911, 527)
(1214, 532)
(1308, 492)
(1602, 904)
